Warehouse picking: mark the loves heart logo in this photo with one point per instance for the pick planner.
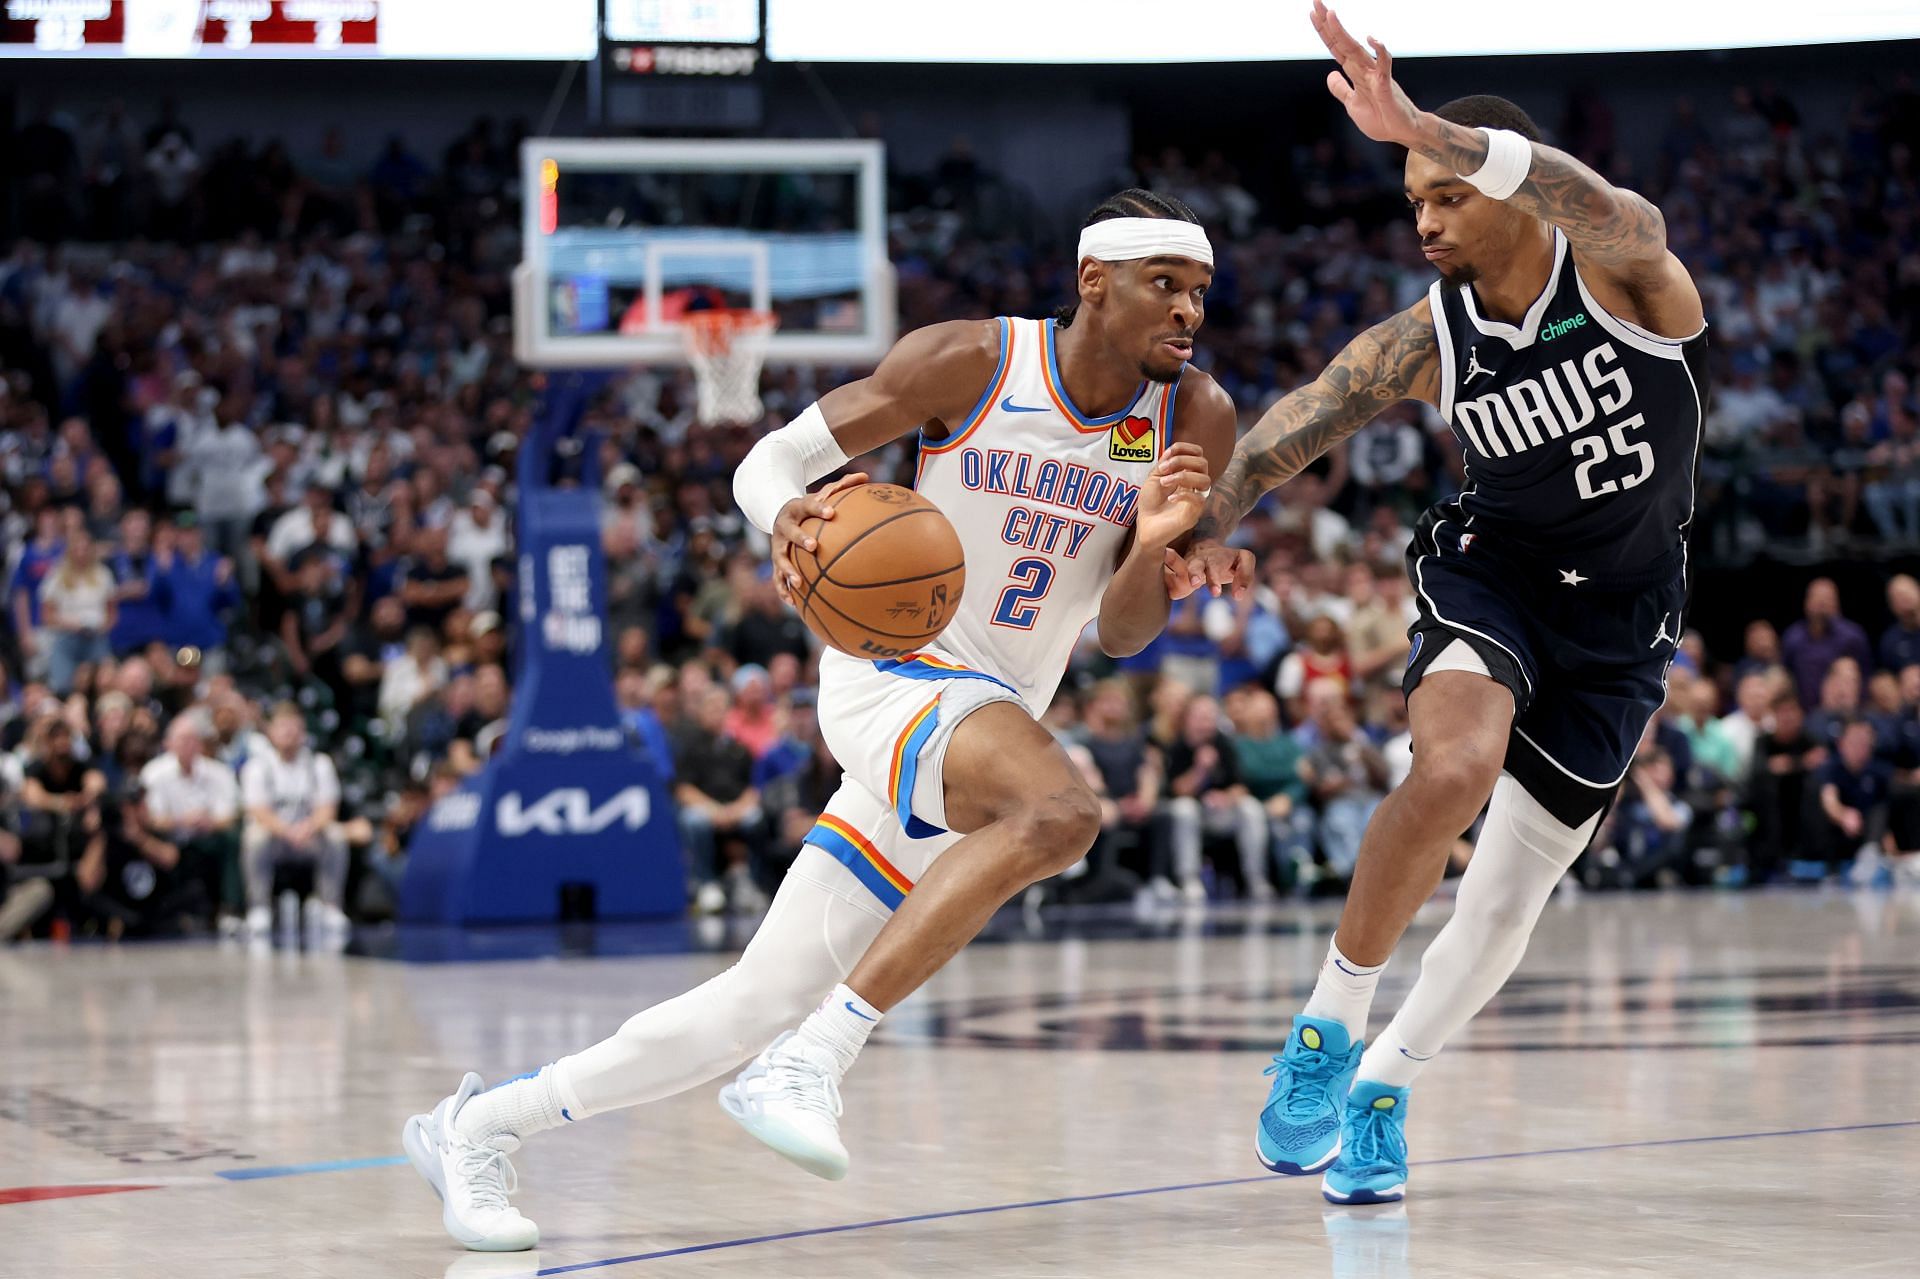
(1131, 440)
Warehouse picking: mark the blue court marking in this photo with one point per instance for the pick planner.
(1167, 1190)
(297, 1170)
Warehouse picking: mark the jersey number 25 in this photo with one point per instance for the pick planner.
(1594, 449)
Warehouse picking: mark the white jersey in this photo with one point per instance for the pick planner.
(1043, 498)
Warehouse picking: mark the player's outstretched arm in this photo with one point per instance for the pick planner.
(1617, 231)
(1397, 359)
(928, 380)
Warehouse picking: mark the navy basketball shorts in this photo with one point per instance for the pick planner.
(1586, 661)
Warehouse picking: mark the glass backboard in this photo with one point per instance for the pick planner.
(624, 237)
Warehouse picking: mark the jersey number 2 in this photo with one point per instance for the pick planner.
(1019, 605)
(1594, 449)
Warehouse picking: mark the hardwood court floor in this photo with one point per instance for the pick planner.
(1673, 1085)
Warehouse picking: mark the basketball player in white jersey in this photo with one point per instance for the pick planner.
(1072, 456)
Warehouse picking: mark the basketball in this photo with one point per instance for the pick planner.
(887, 575)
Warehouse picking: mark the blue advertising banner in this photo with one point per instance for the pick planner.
(566, 804)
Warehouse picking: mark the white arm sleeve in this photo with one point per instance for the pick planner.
(782, 464)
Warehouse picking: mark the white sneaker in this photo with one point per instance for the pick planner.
(789, 1098)
(260, 923)
(1193, 890)
(1162, 889)
(710, 899)
(1261, 890)
(472, 1179)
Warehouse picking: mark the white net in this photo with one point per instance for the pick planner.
(727, 349)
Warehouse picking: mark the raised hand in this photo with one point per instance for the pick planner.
(1219, 568)
(1173, 496)
(1377, 105)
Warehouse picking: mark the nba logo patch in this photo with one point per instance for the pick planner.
(1131, 440)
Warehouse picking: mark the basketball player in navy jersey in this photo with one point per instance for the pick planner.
(1565, 346)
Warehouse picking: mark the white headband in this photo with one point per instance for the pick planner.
(1124, 239)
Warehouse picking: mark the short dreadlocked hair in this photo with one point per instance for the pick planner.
(1134, 202)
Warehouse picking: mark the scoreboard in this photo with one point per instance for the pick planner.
(549, 30)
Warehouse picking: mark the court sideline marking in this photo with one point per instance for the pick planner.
(37, 1194)
(1167, 1190)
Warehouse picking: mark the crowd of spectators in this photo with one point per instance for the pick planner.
(258, 421)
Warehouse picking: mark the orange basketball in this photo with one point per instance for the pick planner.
(887, 575)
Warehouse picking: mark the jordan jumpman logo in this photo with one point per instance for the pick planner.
(1474, 367)
(1662, 633)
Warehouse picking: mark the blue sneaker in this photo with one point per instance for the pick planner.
(1372, 1167)
(1300, 1125)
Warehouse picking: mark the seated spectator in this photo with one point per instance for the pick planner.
(1269, 762)
(752, 722)
(190, 807)
(634, 691)
(373, 643)
(1853, 797)
(412, 678)
(141, 606)
(77, 610)
(1206, 796)
(1377, 635)
(36, 559)
(1823, 636)
(1777, 794)
(1348, 779)
(1322, 654)
(716, 798)
(1645, 840)
(292, 799)
(199, 586)
(313, 630)
(1838, 703)
(795, 797)
(431, 585)
(1132, 776)
(1752, 695)
(1715, 753)
(63, 837)
(1900, 642)
(766, 629)
(1761, 650)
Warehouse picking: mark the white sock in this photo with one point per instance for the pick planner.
(1344, 992)
(519, 1107)
(841, 1025)
(1389, 1061)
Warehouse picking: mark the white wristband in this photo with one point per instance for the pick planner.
(779, 468)
(1509, 158)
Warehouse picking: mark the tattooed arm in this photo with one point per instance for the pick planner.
(1397, 359)
(1619, 237)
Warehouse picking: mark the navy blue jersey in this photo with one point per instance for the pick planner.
(1581, 431)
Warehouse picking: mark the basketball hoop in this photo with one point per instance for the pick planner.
(727, 349)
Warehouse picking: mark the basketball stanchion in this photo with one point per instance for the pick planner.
(567, 820)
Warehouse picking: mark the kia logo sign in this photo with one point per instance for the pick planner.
(569, 811)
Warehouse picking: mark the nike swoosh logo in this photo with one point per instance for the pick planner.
(1008, 406)
(1410, 1056)
(857, 1013)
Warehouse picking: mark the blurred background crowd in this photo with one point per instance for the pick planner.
(258, 420)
